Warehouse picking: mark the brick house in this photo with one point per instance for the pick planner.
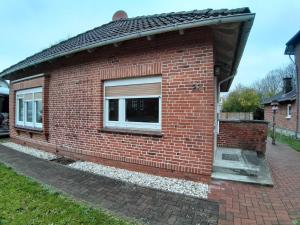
(287, 115)
(137, 93)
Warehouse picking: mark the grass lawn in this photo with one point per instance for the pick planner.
(289, 140)
(23, 201)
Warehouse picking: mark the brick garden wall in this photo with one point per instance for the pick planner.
(73, 105)
(244, 134)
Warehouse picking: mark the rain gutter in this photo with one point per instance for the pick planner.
(209, 22)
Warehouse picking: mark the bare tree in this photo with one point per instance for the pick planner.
(272, 83)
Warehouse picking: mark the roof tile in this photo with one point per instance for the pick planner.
(121, 28)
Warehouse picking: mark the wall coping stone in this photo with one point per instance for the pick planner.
(244, 121)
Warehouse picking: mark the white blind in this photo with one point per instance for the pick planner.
(133, 90)
(38, 95)
(28, 96)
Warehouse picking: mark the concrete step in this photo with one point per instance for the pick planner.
(241, 178)
(235, 167)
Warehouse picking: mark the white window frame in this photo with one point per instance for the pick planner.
(28, 124)
(20, 95)
(19, 122)
(289, 111)
(122, 123)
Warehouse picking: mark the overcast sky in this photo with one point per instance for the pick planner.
(28, 26)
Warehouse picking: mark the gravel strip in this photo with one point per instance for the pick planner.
(31, 151)
(190, 188)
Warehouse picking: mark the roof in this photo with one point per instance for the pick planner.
(132, 28)
(290, 45)
(281, 97)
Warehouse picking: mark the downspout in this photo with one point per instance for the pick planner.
(221, 82)
(217, 125)
(297, 97)
(219, 88)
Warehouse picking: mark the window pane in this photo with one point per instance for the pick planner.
(29, 111)
(20, 109)
(113, 114)
(142, 110)
(38, 111)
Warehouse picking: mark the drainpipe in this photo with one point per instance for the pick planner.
(297, 97)
(219, 88)
(221, 82)
(216, 132)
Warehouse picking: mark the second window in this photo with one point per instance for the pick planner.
(133, 103)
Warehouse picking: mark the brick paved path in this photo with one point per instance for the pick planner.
(144, 204)
(251, 204)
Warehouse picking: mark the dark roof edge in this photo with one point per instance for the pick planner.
(290, 45)
(244, 35)
(208, 22)
(286, 100)
(269, 101)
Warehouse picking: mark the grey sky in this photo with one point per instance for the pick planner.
(28, 26)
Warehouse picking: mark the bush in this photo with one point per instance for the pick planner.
(241, 99)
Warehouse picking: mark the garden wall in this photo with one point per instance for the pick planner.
(244, 134)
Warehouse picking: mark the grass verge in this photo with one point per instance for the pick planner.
(23, 201)
(289, 140)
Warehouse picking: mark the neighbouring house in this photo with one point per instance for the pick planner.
(137, 93)
(286, 118)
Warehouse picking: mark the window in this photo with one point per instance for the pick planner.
(133, 103)
(113, 109)
(289, 111)
(29, 108)
(20, 109)
(142, 110)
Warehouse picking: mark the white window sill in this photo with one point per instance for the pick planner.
(154, 133)
(29, 129)
(288, 117)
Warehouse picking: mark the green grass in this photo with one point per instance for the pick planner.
(3, 140)
(296, 222)
(23, 201)
(289, 140)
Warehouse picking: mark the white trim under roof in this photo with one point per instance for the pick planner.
(28, 78)
(174, 27)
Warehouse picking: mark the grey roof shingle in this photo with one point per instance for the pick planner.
(121, 28)
(281, 97)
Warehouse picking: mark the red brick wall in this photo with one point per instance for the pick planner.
(244, 134)
(280, 118)
(74, 105)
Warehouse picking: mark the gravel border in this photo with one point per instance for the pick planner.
(31, 151)
(194, 189)
(190, 188)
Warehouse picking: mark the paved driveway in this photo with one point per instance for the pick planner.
(251, 204)
(144, 204)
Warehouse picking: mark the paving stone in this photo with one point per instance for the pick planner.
(143, 204)
(245, 204)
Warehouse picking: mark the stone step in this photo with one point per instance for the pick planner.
(241, 178)
(235, 167)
